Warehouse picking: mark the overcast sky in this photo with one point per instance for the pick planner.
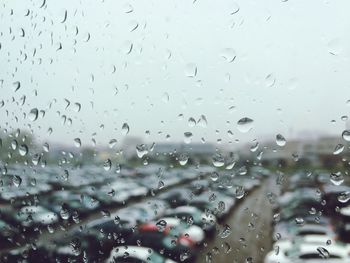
(284, 65)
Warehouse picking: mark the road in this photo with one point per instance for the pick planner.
(250, 236)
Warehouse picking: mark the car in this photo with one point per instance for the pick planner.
(136, 254)
(35, 216)
(310, 253)
(193, 215)
(161, 242)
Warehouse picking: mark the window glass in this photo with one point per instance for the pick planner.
(174, 131)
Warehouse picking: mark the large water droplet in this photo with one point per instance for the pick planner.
(229, 54)
(188, 137)
(344, 197)
(245, 124)
(23, 150)
(346, 135)
(323, 252)
(218, 160)
(191, 70)
(141, 150)
(270, 80)
(77, 142)
(240, 192)
(16, 180)
(125, 128)
(183, 159)
(191, 122)
(338, 149)
(16, 86)
(33, 114)
(107, 165)
(337, 178)
(280, 140)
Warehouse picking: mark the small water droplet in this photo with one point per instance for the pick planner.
(338, 149)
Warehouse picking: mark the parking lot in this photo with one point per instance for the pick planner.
(186, 215)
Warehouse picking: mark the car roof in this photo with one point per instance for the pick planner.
(142, 253)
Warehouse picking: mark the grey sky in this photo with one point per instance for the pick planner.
(304, 45)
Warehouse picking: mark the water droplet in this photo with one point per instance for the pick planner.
(344, 197)
(225, 232)
(161, 225)
(323, 252)
(299, 221)
(214, 176)
(112, 143)
(245, 124)
(128, 8)
(338, 149)
(14, 145)
(127, 47)
(107, 165)
(188, 137)
(16, 180)
(346, 135)
(240, 192)
(33, 114)
(202, 121)
(141, 150)
(270, 80)
(77, 142)
(65, 175)
(191, 70)
(125, 129)
(46, 147)
(218, 160)
(254, 147)
(183, 159)
(165, 97)
(280, 140)
(229, 54)
(77, 107)
(337, 178)
(23, 150)
(16, 86)
(234, 8)
(226, 247)
(334, 47)
(191, 122)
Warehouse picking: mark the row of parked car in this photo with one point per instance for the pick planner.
(169, 227)
(311, 221)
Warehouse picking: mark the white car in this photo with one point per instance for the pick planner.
(194, 232)
(137, 254)
(308, 252)
(31, 215)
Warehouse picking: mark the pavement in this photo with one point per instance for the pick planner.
(247, 230)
